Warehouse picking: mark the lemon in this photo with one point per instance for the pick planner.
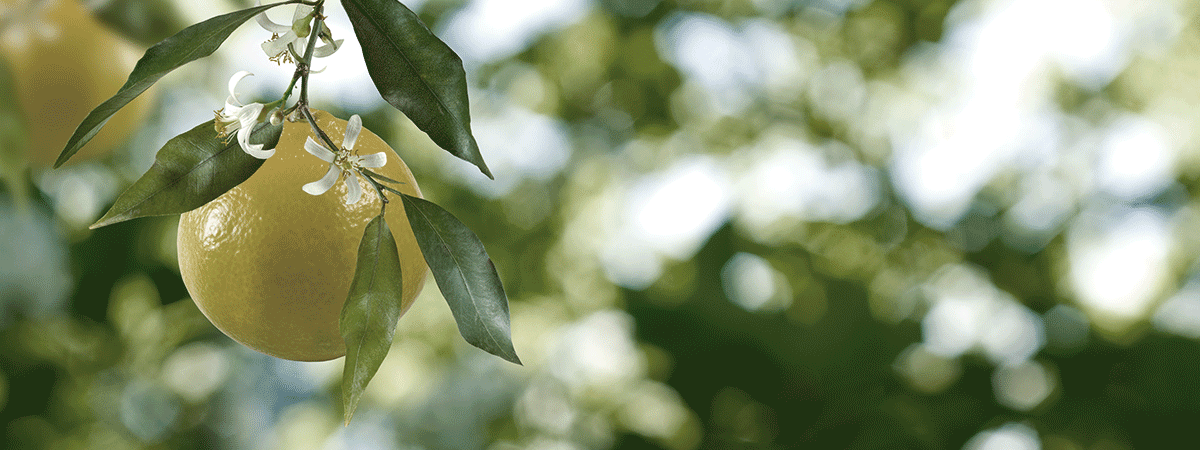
(271, 265)
(64, 63)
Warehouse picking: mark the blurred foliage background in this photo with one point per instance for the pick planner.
(842, 224)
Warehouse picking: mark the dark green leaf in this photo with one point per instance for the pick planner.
(191, 169)
(465, 275)
(194, 42)
(369, 317)
(417, 73)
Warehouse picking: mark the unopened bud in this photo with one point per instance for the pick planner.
(302, 27)
(325, 35)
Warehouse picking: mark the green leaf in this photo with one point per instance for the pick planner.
(191, 169)
(368, 320)
(14, 136)
(417, 73)
(194, 42)
(465, 275)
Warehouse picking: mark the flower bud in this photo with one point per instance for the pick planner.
(302, 27)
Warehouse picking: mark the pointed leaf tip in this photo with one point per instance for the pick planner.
(417, 73)
(465, 275)
(368, 319)
(484, 168)
(190, 170)
(190, 44)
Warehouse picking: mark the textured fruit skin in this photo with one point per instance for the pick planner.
(61, 76)
(271, 265)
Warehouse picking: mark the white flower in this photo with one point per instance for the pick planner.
(344, 160)
(294, 35)
(236, 117)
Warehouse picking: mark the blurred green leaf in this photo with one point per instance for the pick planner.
(191, 169)
(14, 134)
(417, 73)
(465, 275)
(146, 21)
(369, 316)
(194, 42)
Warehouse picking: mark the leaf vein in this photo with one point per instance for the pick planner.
(462, 275)
(179, 179)
(404, 56)
(362, 337)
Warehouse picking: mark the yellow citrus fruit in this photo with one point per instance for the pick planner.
(271, 265)
(64, 63)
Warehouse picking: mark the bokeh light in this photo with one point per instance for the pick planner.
(964, 224)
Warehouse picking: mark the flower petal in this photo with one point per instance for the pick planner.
(233, 107)
(319, 150)
(256, 150)
(248, 115)
(247, 119)
(233, 82)
(280, 44)
(327, 49)
(301, 11)
(321, 186)
(373, 161)
(267, 23)
(353, 190)
(353, 128)
(300, 44)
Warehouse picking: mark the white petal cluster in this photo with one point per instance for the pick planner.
(289, 40)
(343, 161)
(241, 119)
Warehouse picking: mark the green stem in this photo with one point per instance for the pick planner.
(320, 133)
(378, 191)
(380, 177)
(394, 191)
(303, 70)
(291, 86)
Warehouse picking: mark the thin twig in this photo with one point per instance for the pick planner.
(381, 177)
(303, 70)
(389, 188)
(378, 190)
(303, 67)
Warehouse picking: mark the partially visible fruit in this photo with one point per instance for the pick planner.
(65, 63)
